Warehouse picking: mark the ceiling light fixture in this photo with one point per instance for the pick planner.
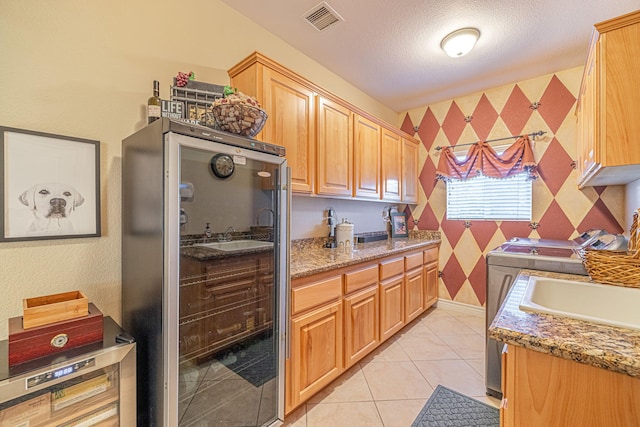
(460, 42)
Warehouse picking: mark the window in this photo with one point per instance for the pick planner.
(490, 198)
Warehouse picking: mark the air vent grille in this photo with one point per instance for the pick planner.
(322, 16)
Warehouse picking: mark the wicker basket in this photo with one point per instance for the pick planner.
(241, 119)
(620, 268)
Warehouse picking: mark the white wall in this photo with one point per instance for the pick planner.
(309, 215)
(85, 69)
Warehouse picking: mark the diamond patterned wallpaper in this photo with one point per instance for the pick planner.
(560, 210)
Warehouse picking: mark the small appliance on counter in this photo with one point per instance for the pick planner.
(344, 234)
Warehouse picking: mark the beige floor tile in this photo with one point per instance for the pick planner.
(390, 351)
(426, 347)
(399, 413)
(349, 387)
(467, 346)
(348, 414)
(449, 325)
(478, 365)
(396, 380)
(477, 323)
(297, 418)
(454, 374)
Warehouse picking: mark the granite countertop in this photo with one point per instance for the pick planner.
(308, 256)
(612, 348)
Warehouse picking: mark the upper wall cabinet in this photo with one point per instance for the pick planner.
(391, 166)
(292, 117)
(608, 107)
(334, 149)
(409, 171)
(367, 154)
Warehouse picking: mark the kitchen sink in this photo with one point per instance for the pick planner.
(593, 302)
(236, 245)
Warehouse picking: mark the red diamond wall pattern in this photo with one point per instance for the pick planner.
(559, 207)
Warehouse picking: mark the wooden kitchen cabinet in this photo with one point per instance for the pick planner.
(607, 107)
(335, 149)
(316, 337)
(361, 313)
(316, 351)
(367, 158)
(544, 390)
(290, 103)
(340, 316)
(409, 184)
(414, 286)
(391, 297)
(430, 277)
(391, 165)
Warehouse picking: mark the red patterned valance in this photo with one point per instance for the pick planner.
(482, 159)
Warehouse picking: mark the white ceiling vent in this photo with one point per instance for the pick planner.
(322, 16)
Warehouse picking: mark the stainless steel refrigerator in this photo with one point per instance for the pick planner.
(205, 275)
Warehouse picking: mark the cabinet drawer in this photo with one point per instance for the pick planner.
(360, 279)
(412, 261)
(315, 294)
(430, 255)
(391, 268)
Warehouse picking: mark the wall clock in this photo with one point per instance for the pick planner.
(222, 165)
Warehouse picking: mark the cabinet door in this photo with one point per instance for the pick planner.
(335, 149)
(414, 294)
(366, 152)
(361, 325)
(391, 307)
(409, 183)
(430, 277)
(291, 123)
(316, 351)
(391, 165)
(586, 121)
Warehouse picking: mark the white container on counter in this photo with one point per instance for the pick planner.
(344, 234)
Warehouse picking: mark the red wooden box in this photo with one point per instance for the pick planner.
(29, 344)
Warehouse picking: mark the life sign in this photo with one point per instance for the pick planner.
(172, 109)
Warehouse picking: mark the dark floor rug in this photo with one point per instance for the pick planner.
(448, 408)
(256, 362)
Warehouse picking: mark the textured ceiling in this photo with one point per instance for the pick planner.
(391, 49)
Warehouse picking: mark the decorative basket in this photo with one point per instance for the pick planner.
(620, 268)
(241, 119)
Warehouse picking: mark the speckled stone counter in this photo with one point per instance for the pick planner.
(308, 256)
(608, 347)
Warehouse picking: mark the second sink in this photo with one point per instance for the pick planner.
(593, 302)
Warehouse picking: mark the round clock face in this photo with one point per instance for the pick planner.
(222, 165)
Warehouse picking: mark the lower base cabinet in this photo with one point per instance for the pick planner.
(361, 325)
(340, 316)
(316, 351)
(544, 390)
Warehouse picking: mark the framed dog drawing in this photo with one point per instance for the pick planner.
(50, 186)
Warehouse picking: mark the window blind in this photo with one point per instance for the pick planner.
(490, 198)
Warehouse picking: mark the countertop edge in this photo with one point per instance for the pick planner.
(602, 346)
(321, 260)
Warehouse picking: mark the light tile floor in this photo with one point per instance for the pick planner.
(389, 387)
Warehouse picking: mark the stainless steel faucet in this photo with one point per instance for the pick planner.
(263, 210)
(226, 237)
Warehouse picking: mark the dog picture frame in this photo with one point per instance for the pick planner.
(50, 186)
(399, 225)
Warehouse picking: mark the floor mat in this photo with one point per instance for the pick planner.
(255, 363)
(448, 408)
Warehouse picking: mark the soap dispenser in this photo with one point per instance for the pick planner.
(207, 231)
